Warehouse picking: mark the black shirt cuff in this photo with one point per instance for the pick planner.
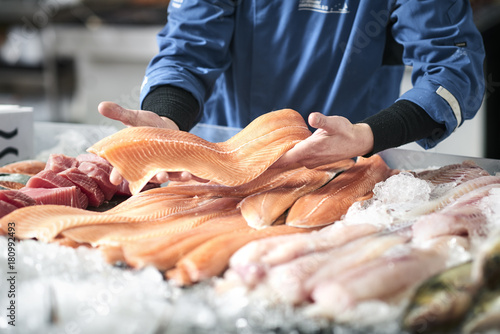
(402, 123)
(175, 103)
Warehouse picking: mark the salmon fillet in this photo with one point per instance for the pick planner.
(139, 153)
(329, 203)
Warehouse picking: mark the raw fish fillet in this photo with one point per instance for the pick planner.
(45, 222)
(262, 209)
(60, 196)
(100, 176)
(453, 195)
(5, 209)
(139, 153)
(288, 282)
(456, 173)
(463, 221)
(27, 167)
(329, 203)
(164, 252)
(87, 185)
(50, 179)
(113, 234)
(382, 278)
(16, 198)
(59, 162)
(254, 259)
(212, 257)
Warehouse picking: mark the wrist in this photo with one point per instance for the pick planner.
(364, 137)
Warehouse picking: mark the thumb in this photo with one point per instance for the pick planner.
(318, 120)
(114, 111)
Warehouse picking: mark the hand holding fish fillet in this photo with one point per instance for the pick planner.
(139, 153)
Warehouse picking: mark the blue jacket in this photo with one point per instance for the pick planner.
(243, 58)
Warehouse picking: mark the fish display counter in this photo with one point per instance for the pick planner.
(413, 247)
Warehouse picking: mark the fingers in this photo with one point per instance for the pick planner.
(115, 177)
(131, 117)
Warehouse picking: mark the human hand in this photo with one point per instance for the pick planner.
(336, 138)
(130, 118)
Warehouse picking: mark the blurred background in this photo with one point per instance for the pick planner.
(63, 57)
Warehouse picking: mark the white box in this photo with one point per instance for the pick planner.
(16, 133)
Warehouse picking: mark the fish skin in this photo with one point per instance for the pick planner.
(328, 204)
(263, 208)
(440, 302)
(108, 234)
(236, 161)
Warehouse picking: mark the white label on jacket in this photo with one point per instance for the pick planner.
(325, 6)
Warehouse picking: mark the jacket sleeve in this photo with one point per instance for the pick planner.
(446, 52)
(193, 47)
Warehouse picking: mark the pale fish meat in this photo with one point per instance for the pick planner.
(253, 260)
(465, 221)
(454, 173)
(139, 153)
(369, 281)
(110, 234)
(288, 282)
(263, 208)
(212, 257)
(329, 203)
(45, 222)
(452, 195)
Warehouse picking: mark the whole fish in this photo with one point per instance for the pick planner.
(439, 303)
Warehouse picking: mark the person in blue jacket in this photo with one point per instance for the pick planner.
(337, 62)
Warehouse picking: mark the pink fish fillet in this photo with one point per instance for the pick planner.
(50, 179)
(45, 222)
(329, 203)
(61, 196)
(88, 186)
(113, 234)
(263, 208)
(139, 153)
(59, 162)
(100, 176)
